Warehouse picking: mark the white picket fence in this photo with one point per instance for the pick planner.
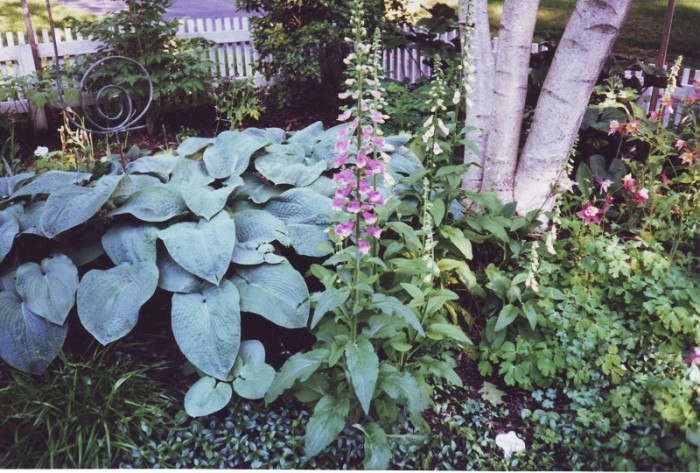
(232, 55)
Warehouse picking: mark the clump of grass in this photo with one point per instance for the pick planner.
(12, 20)
(82, 413)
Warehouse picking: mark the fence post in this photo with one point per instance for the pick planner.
(25, 61)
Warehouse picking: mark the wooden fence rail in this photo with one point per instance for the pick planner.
(232, 55)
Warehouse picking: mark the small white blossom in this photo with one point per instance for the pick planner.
(442, 127)
(436, 149)
(510, 444)
(694, 374)
(41, 151)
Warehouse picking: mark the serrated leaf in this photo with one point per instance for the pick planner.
(326, 422)
(27, 342)
(328, 301)
(392, 305)
(505, 317)
(207, 327)
(70, 206)
(254, 380)
(51, 181)
(277, 292)
(109, 301)
(206, 396)
(202, 248)
(489, 392)
(48, 290)
(154, 204)
(130, 243)
(230, 153)
(298, 367)
(403, 386)
(363, 366)
(377, 450)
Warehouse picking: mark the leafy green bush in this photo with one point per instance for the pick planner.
(84, 412)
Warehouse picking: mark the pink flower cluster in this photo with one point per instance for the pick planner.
(639, 195)
(625, 129)
(687, 155)
(590, 213)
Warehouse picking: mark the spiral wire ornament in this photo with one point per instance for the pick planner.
(125, 115)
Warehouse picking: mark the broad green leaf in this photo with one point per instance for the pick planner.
(173, 277)
(72, 205)
(277, 292)
(298, 367)
(441, 369)
(206, 396)
(308, 136)
(161, 165)
(392, 305)
(284, 169)
(190, 173)
(254, 380)
(192, 145)
(251, 351)
(326, 422)
(9, 183)
(154, 204)
(9, 227)
(273, 135)
(457, 238)
(377, 450)
(383, 326)
(489, 392)
(109, 301)
(207, 327)
(440, 331)
(363, 366)
(205, 201)
(230, 153)
(48, 290)
(301, 206)
(495, 227)
(531, 313)
(584, 178)
(131, 184)
(505, 317)
(309, 239)
(329, 300)
(403, 386)
(255, 228)
(128, 243)
(51, 181)
(202, 248)
(27, 342)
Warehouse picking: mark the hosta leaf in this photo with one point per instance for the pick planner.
(48, 290)
(30, 220)
(253, 229)
(161, 165)
(202, 248)
(258, 191)
(330, 299)
(230, 153)
(326, 422)
(190, 173)
(192, 145)
(51, 181)
(251, 351)
(310, 239)
(154, 204)
(254, 380)
(392, 305)
(298, 367)
(377, 450)
(109, 301)
(27, 342)
(277, 292)
(273, 135)
(9, 227)
(8, 184)
(363, 365)
(324, 186)
(72, 205)
(173, 277)
(131, 243)
(205, 201)
(282, 169)
(301, 206)
(130, 184)
(207, 327)
(206, 396)
(308, 136)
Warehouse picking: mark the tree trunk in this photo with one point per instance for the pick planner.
(479, 90)
(510, 88)
(586, 43)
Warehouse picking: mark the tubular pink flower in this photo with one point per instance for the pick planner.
(375, 232)
(375, 197)
(378, 142)
(342, 146)
(369, 217)
(374, 167)
(345, 115)
(364, 247)
(376, 116)
(367, 132)
(354, 207)
(338, 203)
(343, 95)
(608, 202)
(344, 230)
(361, 159)
(340, 160)
(364, 187)
(343, 177)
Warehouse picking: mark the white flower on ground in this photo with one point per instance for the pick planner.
(510, 444)
(41, 151)
(694, 374)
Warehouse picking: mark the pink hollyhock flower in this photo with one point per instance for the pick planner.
(375, 232)
(589, 213)
(369, 217)
(376, 198)
(344, 230)
(641, 195)
(680, 144)
(688, 158)
(628, 182)
(340, 160)
(376, 116)
(354, 207)
(364, 247)
(337, 203)
(604, 184)
(345, 115)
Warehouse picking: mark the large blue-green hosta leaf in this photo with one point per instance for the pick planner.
(308, 136)
(160, 165)
(288, 168)
(30, 219)
(129, 243)
(193, 145)
(190, 173)
(206, 396)
(132, 183)
(255, 229)
(109, 301)
(48, 290)
(51, 181)
(27, 342)
(8, 184)
(230, 154)
(272, 135)
(9, 227)
(154, 204)
(205, 201)
(277, 292)
(73, 205)
(207, 327)
(202, 248)
(253, 380)
(173, 277)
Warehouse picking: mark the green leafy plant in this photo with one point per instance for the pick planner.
(236, 100)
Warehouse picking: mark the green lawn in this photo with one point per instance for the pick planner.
(11, 18)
